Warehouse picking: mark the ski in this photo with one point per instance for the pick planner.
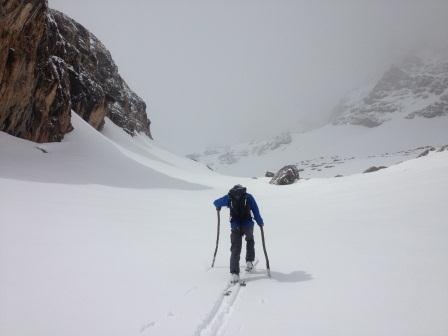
(228, 290)
(241, 282)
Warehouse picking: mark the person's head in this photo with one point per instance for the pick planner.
(237, 192)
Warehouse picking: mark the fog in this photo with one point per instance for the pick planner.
(224, 72)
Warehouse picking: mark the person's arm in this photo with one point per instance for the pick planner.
(220, 202)
(254, 207)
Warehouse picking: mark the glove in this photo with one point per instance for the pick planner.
(218, 209)
(261, 224)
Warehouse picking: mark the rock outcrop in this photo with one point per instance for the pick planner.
(51, 65)
(373, 169)
(286, 175)
(426, 151)
(443, 148)
(418, 87)
(34, 99)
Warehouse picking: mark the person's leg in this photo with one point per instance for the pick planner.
(250, 243)
(236, 239)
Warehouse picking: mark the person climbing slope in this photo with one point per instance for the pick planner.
(241, 203)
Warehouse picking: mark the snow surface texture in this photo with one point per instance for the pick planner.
(110, 235)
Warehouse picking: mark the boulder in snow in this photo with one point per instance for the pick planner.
(286, 175)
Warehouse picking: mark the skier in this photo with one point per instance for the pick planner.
(241, 204)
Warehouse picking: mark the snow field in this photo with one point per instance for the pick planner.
(355, 147)
(114, 236)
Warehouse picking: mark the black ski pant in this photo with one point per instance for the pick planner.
(236, 239)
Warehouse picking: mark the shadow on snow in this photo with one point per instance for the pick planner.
(294, 276)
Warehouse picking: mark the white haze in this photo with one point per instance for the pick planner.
(223, 72)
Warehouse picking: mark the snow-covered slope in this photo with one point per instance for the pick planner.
(84, 157)
(415, 88)
(110, 235)
(331, 150)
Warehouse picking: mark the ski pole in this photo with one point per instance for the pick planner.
(265, 253)
(217, 239)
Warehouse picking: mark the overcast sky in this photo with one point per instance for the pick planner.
(220, 72)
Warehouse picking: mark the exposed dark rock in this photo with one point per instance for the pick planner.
(286, 175)
(96, 88)
(50, 65)
(269, 174)
(42, 150)
(373, 169)
(194, 156)
(443, 148)
(339, 175)
(424, 153)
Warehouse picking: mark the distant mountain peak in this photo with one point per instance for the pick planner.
(416, 87)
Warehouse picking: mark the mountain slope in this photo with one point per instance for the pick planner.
(83, 157)
(363, 254)
(417, 87)
(394, 119)
(331, 150)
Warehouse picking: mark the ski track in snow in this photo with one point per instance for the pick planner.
(215, 322)
(218, 317)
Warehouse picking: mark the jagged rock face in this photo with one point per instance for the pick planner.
(34, 99)
(416, 88)
(50, 65)
(97, 90)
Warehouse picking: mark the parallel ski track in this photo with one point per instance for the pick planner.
(216, 320)
(218, 317)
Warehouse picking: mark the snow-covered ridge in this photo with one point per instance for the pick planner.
(417, 87)
(110, 158)
(331, 150)
(232, 154)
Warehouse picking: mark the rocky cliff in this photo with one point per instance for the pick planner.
(51, 65)
(417, 87)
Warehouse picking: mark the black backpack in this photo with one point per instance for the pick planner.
(239, 208)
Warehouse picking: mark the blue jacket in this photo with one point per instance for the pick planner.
(225, 201)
